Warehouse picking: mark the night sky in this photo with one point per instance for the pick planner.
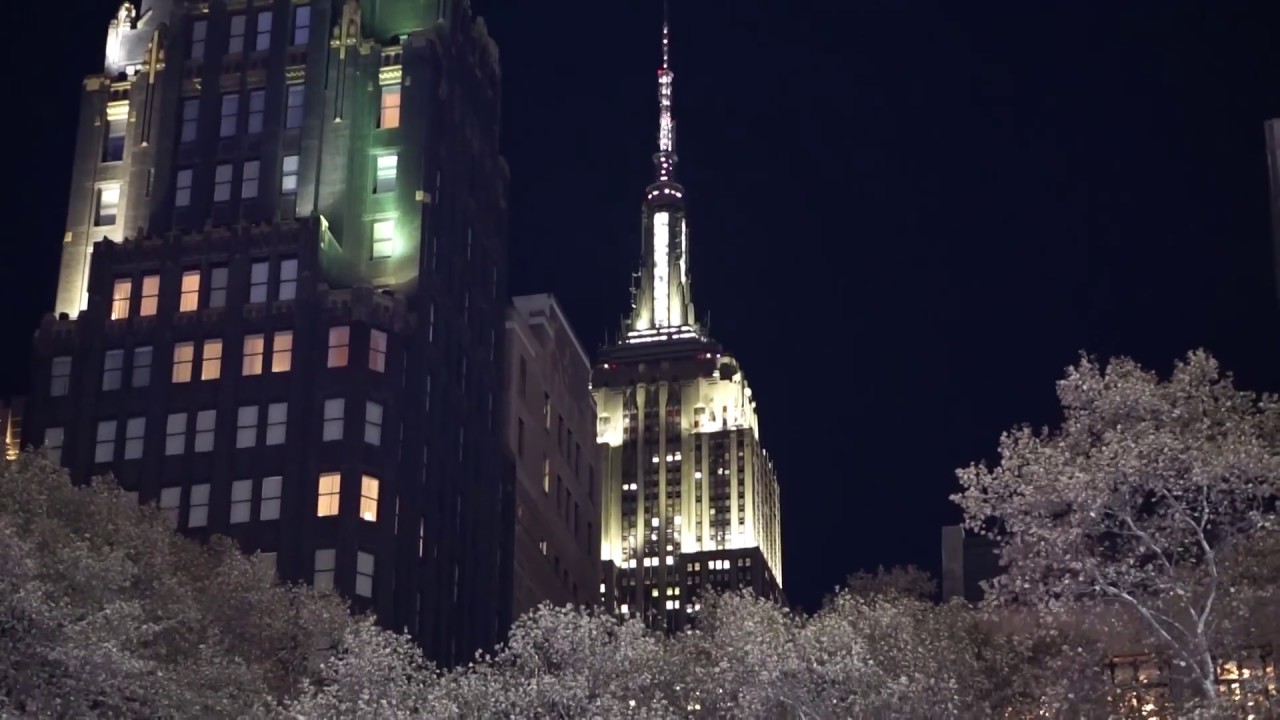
(907, 217)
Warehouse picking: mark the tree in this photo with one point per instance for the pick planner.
(1144, 499)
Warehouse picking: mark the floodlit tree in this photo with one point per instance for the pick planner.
(1145, 499)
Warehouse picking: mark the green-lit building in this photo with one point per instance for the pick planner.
(281, 300)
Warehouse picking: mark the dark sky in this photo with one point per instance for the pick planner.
(907, 216)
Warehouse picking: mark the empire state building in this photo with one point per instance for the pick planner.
(690, 498)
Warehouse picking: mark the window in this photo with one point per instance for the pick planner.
(190, 298)
(546, 475)
(277, 423)
(288, 288)
(228, 114)
(389, 112)
(385, 176)
(170, 501)
(113, 370)
(293, 106)
(326, 561)
(364, 574)
(218, 287)
(289, 175)
(546, 409)
(254, 349)
(121, 292)
(272, 488)
(104, 449)
(182, 192)
(241, 501)
(519, 437)
(249, 179)
(108, 206)
(247, 426)
(236, 43)
(199, 33)
(431, 322)
(150, 296)
(205, 422)
(53, 439)
(222, 176)
(175, 434)
(258, 274)
(141, 366)
(301, 24)
(282, 351)
(369, 498)
(339, 345)
(262, 39)
(198, 507)
(211, 360)
(330, 485)
(113, 143)
(384, 239)
(257, 111)
(334, 414)
(377, 350)
(184, 355)
(372, 423)
(135, 432)
(190, 119)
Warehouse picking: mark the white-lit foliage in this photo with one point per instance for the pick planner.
(1151, 497)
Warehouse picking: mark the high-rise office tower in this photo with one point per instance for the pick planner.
(281, 302)
(690, 496)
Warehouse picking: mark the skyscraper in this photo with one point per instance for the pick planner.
(281, 302)
(690, 497)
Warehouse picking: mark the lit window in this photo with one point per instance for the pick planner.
(175, 434)
(364, 574)
(205, 422)
(257, 111)
(222, 176)
(247, 426)
(184, 354)
(372, 423)
(377, 350)
(272, 488)
(113, 370)
(53, 439)
(198, 512)
(263, 35)
(108, 210)
(142, 366)
(369, 498)
(389, 112)
(327, 503)
(199, 33)
(104, 449)
(542, 545)
(326, 561)
(241, 501)
(288, 288)
(293, 107)
(385, 177)
(282, 351)
(120, 296)
(259, 272)
(384, 239)
(211, 360)
(546, 475)
(249, 179)
(339, 345)
(301, 24)
(190, 298)
(190, 118)
(334, 413)
(218, 287)
(254, 349)
(277, 423)
(289, 175)
(135, 432)
(113, 144)
(170, 502)
(150, 301)
(228, 114)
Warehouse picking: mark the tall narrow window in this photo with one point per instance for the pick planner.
(218, 287)
(211, 360)
(108, 206)
(199, 34)
(369, 498)
(190, 298)
(142, 356)
(113, 370)
(327, 502)
(104, 447)
(339, 346)
(54, 437)
(254, 349)
(288, 287)
(228, 115)
(190, 119)
(182, 188)
(272, 488)
(247, 426)
(385, 176)
(113, 143)
(301, 24)
(120, 296)
(289, 175)
(389, 112)
(334, 414)
(241, 501)
(293, 106)
(184, 356)
(277, 423)
(150, 301)
(135, 432)
(259, 272)
(175, 434)
(235, 44)
(372, 423)
(519, 437)
(257, 111)
(377, 350)
(282, 351)
(326, 562)
(431, 322)
(249, 179)
(198, 507)
(364, 574)
(206, 420)
(262, 35)
(222, 176)
(546, 409)
(384, 239)
(546, 475)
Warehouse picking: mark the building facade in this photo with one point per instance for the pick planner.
(550, 422)
(690, 497)
(281, 303)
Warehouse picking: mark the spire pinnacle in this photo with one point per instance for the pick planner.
(665, 160)
(666, 35)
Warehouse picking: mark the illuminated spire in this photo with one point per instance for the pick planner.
(665, 160)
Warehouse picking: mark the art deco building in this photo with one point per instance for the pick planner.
(690, 497)
(550, 419)
(281, 303)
